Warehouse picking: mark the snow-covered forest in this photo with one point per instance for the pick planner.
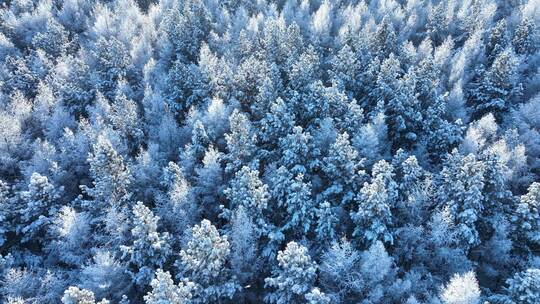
(270, 151)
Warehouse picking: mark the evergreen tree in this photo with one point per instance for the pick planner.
(204, 261)
(293, 278)
(248, 191)
(75, 295)
(38, 206)
(111, 177)
(462, 289)
(526, 215)
(524, 287)
(149, 249)
(241, 141)
(497, 87)
(165, 291)
(375, 201)
(525, 40)
(460, 190)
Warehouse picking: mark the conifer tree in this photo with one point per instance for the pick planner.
(293, 278)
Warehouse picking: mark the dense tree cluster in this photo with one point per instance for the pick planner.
(287, 151)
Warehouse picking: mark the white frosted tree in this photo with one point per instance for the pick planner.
(75, 295)
(247, 190)
(462, 289)
(293, 278)
(376, 200)
(204, 260)
(527, 214)
(111, 177)
(150, 248)
(241, 141)
(175, 206)
(39, 205)
(460, 190)
(164, 291)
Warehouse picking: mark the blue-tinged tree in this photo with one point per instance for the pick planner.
(204, 261)
(19, 76)
(498, 40)
(183, 88)
(386, 84)
(403, 113)
(294, 276)
(299, 206)
(297, 151)
(245, 260)
(53, 40)
(38, 206)
(495, 89)
(343, 169)
(5, 212)
(247, 190)
(194, 151)
(305, 70)
(112, 61)
(384, 41)
(165, 291)
(316, 296)
(209, 182)
(441, 134)
(105, 275)
(111, 177)
(125, 119)
(241, 141)
(526, 216)
(340, 272)
(277, 123)
(373, 217)
(459, 189)
(149, 249)
(70, 233)
(524, 287)
(415, 186)
(526, 37)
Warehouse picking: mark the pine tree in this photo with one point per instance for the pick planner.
(498, 40)
(297, 151)
(294, 276)
(496, 88)
(241, 141)
(209, 181)
(165, 291)
(5, 225)
(525, 40)
(39, 205)
(375, 203)
(524, 287)
(247, 190)
(149, 249)
(194, 151)
(75, 295)
(462, 289)
(277, 123)
(526, 215)
(299, 205)
(384, 40)
(111, 177)
(460, 190)
(204, 262)
(403, 115)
